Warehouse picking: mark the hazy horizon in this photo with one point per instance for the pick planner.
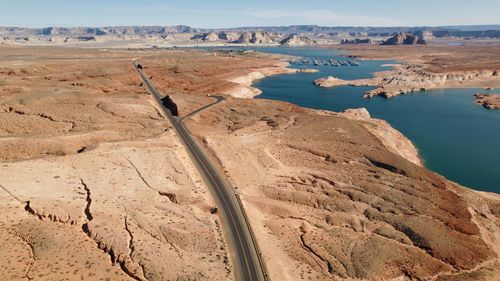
(228, 14)
(259, 26)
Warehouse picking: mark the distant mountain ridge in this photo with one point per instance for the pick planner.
(175, 29)
(246, 35)
(98, 31)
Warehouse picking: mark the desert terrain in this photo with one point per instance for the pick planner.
(424, 68)
(341, 195)
(96, 186)
(332, 199)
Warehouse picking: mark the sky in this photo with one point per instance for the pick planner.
(238, 13)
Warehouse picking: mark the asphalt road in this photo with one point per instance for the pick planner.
(246, 263)
(217, 100)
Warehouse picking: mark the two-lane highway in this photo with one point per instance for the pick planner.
(246, 260)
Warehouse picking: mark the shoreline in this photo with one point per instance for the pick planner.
(390, 137)
(487, 79)
(488, 100)
(415, 71)
(412, 153)
(294, 173)
(394, 82)
(244, 83)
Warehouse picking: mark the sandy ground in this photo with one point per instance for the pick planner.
(227, 72)
(95, 186)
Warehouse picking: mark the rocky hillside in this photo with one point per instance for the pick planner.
(295, 39)
(404, 38)
(334, 200)
(256, 38)
(216, 36)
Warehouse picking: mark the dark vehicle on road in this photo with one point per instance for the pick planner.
(139, 66)
(168, 103)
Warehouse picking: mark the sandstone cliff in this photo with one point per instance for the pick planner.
(216, 36)
(404, 38)
(255, 38)
(296, 40)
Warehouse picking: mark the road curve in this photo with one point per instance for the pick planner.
(246, 260)
(218, 99)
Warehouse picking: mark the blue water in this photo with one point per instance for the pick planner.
(455, 137)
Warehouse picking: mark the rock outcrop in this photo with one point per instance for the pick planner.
(212, 36)
(330, 81)
(295, 40)
(489, 101)
(216, 36)
(228, 36)
(392, 139)
(404, 38)
(255, 38)
(356, 41)
(407, 78)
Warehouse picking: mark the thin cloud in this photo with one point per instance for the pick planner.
(155, 9)
(272, 17)
(322, 17)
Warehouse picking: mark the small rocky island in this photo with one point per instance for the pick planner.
(489, 101)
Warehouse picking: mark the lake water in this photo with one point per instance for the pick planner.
(454, 136)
